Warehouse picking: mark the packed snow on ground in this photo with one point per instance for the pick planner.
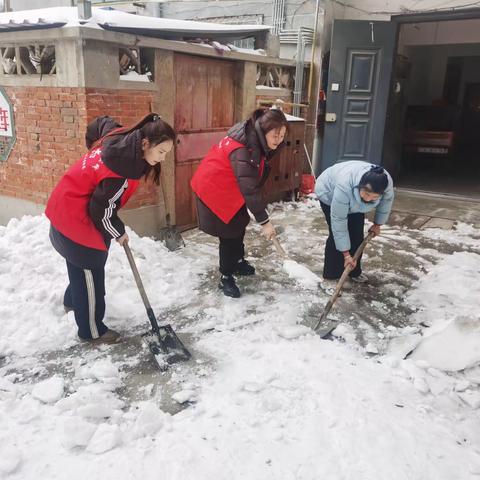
(448, 298)
(265, 398)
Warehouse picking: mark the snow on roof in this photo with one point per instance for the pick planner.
(292, 118)
(121, 21)
(39, 18)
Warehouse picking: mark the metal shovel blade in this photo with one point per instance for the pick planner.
(324, 326)
(172, 238)
(166, 347)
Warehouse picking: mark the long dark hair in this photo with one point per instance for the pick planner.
(269, 119)
(155, 130)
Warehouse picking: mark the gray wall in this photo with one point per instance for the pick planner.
(32, 4)
(384, 9)
(429, 64)
(298, 12)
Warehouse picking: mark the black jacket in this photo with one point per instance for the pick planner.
(246, 163)
(123, 155)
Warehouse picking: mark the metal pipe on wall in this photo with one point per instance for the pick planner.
(278, 14)
(305, 37)
(297, 89)
(314, 42)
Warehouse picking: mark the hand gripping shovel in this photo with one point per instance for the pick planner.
(324, 326)
(162, 341)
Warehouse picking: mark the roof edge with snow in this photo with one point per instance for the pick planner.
(119, 21)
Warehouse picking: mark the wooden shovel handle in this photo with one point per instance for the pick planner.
(279, 248)
(348, 269)
(136, 275)
(342, 280)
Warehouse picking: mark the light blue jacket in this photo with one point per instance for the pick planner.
(338, 187)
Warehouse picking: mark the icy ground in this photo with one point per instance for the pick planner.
(264, 398)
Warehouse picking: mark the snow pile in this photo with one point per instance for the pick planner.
(447, 290)
(136, 77)
(460, 389)
(49, 391)
(10, 459)
(34, 277)
(272, 400)
(447, 299)
(301, 274)
(455, 348)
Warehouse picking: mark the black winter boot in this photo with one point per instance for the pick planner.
(229, 287)
(244, 268)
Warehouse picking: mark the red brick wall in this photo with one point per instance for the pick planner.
(50, 128)
(127, 107)
(50, 125)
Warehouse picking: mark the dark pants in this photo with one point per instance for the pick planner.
(86, 295)
(231, 250)
(333, 266)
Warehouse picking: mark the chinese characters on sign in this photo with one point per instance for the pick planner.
(5, 122)
(7, 129)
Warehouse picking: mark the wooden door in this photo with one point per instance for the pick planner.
(204, 111)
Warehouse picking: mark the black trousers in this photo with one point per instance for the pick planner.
(86, 295)
(231, 251)
(333, 266)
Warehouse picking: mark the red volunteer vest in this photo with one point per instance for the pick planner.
(67, 207)
(215, 182)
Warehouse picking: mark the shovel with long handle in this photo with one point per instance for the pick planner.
(302, 271)
(169, 234)
(279, 248)
(162, 341)
(332, 324)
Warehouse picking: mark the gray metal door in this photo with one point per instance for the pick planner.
(359, 78)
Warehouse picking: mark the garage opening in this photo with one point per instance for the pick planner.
(433, 127)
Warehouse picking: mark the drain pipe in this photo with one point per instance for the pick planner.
(299, 67)
(304, 38)
(278, 14)
(316, 154)
(314, 42)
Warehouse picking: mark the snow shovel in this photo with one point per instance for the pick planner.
(162, 341)
(170, 235)
(294, 269)
(324, 326)
(279, 248)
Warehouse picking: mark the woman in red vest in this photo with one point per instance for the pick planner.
(229, 181)
(83, 209)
